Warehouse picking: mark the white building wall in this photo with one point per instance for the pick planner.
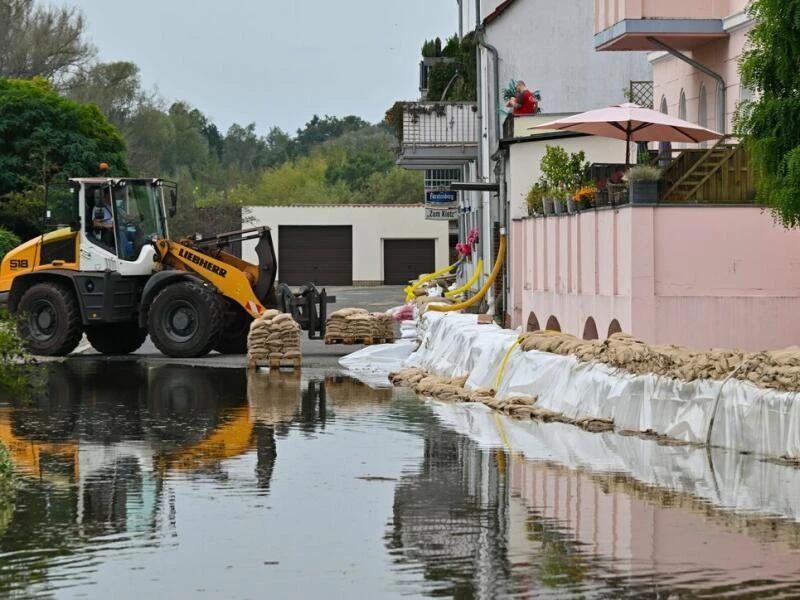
(371, 225)
(525, 157)
(550, 45)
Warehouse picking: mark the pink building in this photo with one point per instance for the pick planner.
(711, 33)
(704, 268)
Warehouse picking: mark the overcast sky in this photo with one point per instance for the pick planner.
(273, 62)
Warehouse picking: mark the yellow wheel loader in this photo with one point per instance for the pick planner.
(108, 269)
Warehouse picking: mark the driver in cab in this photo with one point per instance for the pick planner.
(103, 223)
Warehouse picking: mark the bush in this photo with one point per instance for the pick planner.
(8, 241)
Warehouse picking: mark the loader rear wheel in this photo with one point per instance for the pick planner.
(51, 322)
(233, 338)
(185, 319)
(116, 338)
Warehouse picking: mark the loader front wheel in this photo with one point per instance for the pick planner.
(185, 320)
(51, 321)
(233, 339)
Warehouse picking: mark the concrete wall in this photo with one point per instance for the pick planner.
(371, 225)
(700, 276)
(525, 157)
(550, 44)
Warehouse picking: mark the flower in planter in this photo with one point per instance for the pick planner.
(616, 177)
(584, 195)
(463, 249)
(473, 236)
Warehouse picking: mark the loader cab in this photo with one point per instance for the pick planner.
(119, 219)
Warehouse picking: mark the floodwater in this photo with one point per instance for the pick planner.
(178, 482)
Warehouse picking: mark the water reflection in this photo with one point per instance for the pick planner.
(179, 479)
(484, 520)
(96, 447)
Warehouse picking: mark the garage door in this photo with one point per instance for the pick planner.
(404, 260)
(320, 254)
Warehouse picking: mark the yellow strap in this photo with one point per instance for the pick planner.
(409, 290)
(504, 363)
(498, 264)
(469, 284)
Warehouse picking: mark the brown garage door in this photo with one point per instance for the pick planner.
(404, 260)
(320, 254)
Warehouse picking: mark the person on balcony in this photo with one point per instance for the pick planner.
(524, 103)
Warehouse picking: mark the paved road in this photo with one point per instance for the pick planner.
(315, 353)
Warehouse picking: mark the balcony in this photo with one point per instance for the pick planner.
(682, 24)
(435, 134)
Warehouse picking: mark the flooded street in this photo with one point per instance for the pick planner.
(176, 481)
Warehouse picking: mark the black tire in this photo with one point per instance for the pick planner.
(233, 338)
(185, 319)
(51, 321)
(116, 338)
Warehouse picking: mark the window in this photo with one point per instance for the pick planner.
(682, 106)
(664, 108)
(702, 107)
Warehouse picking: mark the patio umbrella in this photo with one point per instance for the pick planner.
(633, 123)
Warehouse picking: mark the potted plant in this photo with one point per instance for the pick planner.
(643, 184)
(584, 196)
(536, 200)
(562, 173)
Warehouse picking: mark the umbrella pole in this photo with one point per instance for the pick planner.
(628, 147)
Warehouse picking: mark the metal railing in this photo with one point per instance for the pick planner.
(440, 124)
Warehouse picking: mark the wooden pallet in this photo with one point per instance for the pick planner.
(275, 363)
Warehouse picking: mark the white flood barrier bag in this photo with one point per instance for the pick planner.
(372, 364)
(737, 414)
(725, 479)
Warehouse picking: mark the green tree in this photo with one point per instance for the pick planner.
(770, 125)
(280, 148)
(319, 130)
(8, 241)
(44, 136)
(396, 186)
(115, 87)
(243, 149)
(41, 41)
(455, 79)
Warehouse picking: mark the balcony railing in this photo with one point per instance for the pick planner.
(431, 131)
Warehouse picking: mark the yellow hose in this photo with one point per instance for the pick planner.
(469, 284)
(504, 363)
(409, 290)
(498, 264)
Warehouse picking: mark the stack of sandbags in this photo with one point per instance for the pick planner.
(338, 327)
(358, 325)
(777, 369)
(383, 326)
(274, 335)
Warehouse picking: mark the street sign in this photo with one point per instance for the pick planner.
(441, 197)
(440, 214)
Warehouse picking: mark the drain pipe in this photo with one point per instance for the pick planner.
(480, 33)
(721, 103)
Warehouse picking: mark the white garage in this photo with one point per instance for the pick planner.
(358, 245)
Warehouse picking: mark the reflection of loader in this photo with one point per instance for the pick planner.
(117, 279)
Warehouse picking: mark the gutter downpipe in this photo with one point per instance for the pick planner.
(502, 215)
(721, 101)
(483, 113)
